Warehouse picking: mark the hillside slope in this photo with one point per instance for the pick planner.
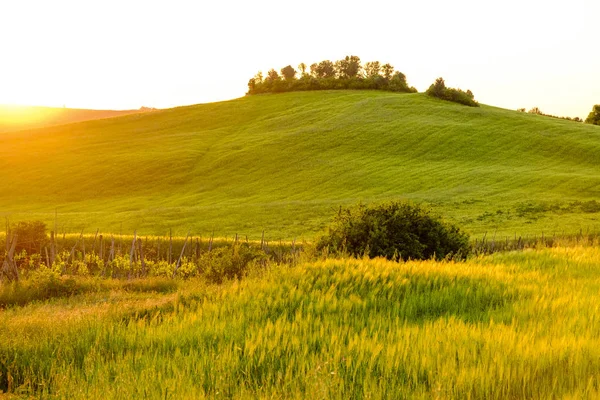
(285, 162)
(13, 118)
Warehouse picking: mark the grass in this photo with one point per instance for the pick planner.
(50, 286)
(285, 162)
(512, 325)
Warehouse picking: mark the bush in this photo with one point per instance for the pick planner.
(393, 230)
(231, 262)
(43, 284)
(438, 89)
(31, 235)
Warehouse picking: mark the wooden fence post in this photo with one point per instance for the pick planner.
(131, 254)
(9, 263)
(52, 249)
(73, 251)
(170, 246)
(180, 256)
(142, 258)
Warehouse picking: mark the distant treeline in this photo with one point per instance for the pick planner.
(347, 73)
(537, 111)
(593, 117)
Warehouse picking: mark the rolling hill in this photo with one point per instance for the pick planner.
(284, 163)
(13, 118)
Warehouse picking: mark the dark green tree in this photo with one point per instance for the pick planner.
(252, 86)
(438, 89)
(289, 73)
(372, 69)
(316, 70)
(255, 83)
(594, 116)
(388, 71)
(302, 67)
(272, 76)
(349, 67)
(326, 69)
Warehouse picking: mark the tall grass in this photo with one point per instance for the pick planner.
(514, 325)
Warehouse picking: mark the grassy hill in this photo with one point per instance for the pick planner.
(13, 118)
(285, 162)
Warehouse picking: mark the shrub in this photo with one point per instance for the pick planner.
(438, 89)
(43, 284)
(393, 230)
(31, 235)
(231, 262)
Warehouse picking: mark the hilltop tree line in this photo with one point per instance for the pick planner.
(593, 118)
(347, 73)
(350, 73)
(537, 111)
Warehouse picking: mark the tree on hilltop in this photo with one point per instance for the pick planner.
(387, 70)
(594, 116)
(272, 75)
(438, 88)
(288, 73)
(349, 67)
(255, 82)
(536, 111)
(302, 67)
(372, 69)
(323, 70)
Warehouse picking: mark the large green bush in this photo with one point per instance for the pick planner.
(393, 230)
(438, 89)
(231, 262)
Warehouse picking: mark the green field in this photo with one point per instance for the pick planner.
(283, 163)
(506, 326)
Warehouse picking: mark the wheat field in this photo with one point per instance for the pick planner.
(508, 325)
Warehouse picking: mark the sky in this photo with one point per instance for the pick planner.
(126, 54)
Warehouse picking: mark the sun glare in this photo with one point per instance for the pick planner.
(13, 115)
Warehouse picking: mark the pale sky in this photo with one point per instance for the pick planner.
(126, 54)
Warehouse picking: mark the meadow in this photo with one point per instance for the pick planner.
(284, 163)
(507, 325)
(246, 308)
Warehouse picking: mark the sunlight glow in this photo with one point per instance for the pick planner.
(17, 115)
(124, 55)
